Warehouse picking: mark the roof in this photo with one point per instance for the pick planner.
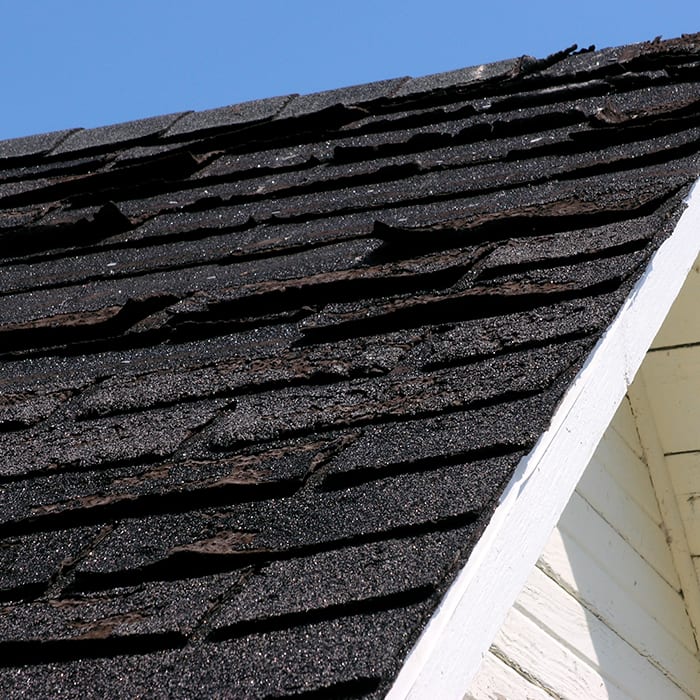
(266, 370)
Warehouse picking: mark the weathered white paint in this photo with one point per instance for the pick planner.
(682, 327)
(574, 626)
(612, 565)
(684, 473)
(684, 470)
(595, 619)
(524, 643)
(498, 681)
(618, 459)
(680, 526)
(666, 402)
(626, 428)
(611, 500)
(448, 654)
(673, 377)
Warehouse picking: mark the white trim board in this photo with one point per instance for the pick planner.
(449, 652)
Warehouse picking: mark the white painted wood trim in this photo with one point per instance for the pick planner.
(668, 505)
(450, 650)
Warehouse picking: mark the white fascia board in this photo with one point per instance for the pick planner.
(449, 652)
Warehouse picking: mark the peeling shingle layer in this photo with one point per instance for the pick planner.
(265, 370)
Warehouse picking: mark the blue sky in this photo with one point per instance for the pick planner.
(90, 62)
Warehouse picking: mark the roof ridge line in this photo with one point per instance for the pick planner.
(45, 144)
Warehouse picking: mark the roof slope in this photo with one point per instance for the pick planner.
(265, 370)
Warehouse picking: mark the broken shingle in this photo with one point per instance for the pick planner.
(266, 369)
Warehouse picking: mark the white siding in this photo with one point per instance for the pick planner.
(666, 405)
(673, 375)
(602, 614)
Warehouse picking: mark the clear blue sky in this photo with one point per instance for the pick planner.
(68, 63)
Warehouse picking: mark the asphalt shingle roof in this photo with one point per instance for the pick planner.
(265, 370)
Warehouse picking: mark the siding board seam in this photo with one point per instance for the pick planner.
(643, 554)
(668, 505)
(550, 573)
(533, 680)
(573, 534)
(653, 512)
(563, 642)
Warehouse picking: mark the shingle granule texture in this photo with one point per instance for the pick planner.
(265, 370)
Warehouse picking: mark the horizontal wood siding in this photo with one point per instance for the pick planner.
(673, 377)
(602, 614)
(682, 325)
(685, 475)
(666, 403)
(684, 470)
(499, 680)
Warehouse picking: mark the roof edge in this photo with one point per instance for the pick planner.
(185, 124)
(448, 654)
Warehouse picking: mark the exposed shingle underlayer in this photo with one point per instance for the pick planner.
(265, 370)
